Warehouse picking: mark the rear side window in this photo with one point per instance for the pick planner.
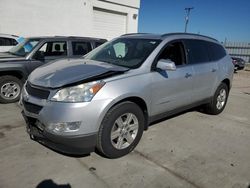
(99, 43)
(197, 51)
(81, 48)
(216, 51)
(7, 41)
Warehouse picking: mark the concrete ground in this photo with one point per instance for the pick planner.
(189, 150)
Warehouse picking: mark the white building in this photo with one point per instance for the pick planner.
(93, 18)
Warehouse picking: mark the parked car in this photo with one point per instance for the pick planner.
(21, 60)
(7, 42)
(107, 99)
(239, 64)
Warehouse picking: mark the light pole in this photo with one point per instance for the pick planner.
(187, 16)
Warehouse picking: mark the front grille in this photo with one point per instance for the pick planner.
(37, 92)
(33, 108)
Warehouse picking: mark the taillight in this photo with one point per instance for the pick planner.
(234, 62)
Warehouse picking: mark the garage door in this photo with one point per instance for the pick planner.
(109, 24)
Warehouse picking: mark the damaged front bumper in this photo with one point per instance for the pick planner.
(76, 145)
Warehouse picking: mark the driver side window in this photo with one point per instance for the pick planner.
(174, 52)
(58, 48)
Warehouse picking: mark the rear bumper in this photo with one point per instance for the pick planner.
(71, 145)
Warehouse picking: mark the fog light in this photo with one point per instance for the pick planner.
(64, 127)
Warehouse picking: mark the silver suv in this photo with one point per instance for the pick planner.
(104, 101)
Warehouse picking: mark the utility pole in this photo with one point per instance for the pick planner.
(187, 16)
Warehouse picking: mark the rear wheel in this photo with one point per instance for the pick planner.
(10, 89)
(121, 130)
(218, 101)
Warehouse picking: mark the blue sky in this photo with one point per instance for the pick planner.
(217, 18)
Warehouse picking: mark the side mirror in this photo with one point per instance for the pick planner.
(39, 55)
(166, 64)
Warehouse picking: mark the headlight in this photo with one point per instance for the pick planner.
(80, 93)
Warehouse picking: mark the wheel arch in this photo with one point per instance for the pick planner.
(140, 102)
(227, 82)
(17, 74)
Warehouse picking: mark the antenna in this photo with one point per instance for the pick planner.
(188, 9)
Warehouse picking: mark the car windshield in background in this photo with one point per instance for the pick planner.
(24, 47)
(126, 52)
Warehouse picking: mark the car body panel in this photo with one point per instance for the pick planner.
(70, 71)
(166, 99)
(205, 79)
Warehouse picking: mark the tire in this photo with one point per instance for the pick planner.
(10, 89)
(235, 69)
(219, 100)
(125, 135)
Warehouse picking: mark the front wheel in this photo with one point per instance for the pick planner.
(10, 89)
(121, 130)
(218, 101)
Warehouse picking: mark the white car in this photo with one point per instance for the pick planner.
(7, 42)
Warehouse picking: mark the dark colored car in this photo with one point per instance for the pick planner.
(239, 64)
(21, 60)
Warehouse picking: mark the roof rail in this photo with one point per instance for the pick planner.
(78, 37)
(127, 34)
(190, 34)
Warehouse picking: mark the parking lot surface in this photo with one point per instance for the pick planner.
(189, 150)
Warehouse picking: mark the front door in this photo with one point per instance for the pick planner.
(172, 89)
(49, 51)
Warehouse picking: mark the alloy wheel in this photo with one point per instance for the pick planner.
(124, 131)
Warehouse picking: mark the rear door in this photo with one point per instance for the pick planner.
(205, 70)
(172, 89)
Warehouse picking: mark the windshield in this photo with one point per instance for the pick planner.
(126, 52)
(23, 48)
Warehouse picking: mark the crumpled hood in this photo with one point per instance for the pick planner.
(66, 72)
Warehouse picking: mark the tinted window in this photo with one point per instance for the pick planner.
(57, 48)
(174, 52)
(126, 52)
(2, 42)
(216, 51)
(99, 43)
(81, 48)
(7, 42)
(197, 51)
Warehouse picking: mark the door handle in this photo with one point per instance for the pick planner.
(188, 75)
(214, 70)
